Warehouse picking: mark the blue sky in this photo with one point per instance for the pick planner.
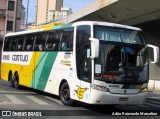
(74, 4)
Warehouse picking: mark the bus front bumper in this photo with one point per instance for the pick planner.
(100, 97)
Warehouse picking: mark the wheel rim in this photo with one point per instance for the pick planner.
(66, 94)
(16, 83)
(11, 81)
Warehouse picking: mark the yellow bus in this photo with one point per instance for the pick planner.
(88, 61)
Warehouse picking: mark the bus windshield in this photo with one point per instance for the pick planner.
(122, 63)
(122, 56)
(122, 35)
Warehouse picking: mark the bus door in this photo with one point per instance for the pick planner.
(83, 62)
(85, 82)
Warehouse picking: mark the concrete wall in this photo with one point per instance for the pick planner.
(59, 4)
(41, 11)
(2, 25)
(3, 4)
(19, 12)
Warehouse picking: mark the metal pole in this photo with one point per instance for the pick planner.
(27, 14)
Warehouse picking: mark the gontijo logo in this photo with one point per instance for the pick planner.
(23, 58)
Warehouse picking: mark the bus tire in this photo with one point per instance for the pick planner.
(65, 94)
(11, 81)
(16, 81)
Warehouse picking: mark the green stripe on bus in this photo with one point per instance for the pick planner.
(62, 26)
(56, 27)
(38, 69)
(49, 61)
(66, 25)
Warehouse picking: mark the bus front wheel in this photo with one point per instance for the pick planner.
(65, 94)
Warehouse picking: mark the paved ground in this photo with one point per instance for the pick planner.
(29, 99)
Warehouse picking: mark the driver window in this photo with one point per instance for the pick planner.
(82, 59)
(86, 63)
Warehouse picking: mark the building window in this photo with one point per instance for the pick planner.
(9, 25)
(11, 5)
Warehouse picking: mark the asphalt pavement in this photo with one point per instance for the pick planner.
(27, 99)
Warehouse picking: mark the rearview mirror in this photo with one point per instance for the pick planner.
(154, 51)
(94, 47)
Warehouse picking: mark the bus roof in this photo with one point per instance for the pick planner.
(105, 24)
(40, 28)
(53, 26)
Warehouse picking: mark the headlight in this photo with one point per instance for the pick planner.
(143, 90)
(100, 88)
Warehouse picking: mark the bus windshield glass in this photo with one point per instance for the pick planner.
(115, 34)
(121, 63)
(122, 56)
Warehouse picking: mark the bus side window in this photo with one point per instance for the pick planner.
(52, 41)
(20, 43)
(29, 42)
(66, 43)
(40, 41)
(6, 44)
(13, 44)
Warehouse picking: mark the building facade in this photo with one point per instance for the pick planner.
(23, 15)
(10, 17)
(65, 11)
(23, 18)
(44, 7)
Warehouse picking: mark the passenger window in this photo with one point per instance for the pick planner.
(6, 44)
(20, 43)
(12, 44)
(52, 41)
(40, 41)
(29, 41)
(66, 41)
